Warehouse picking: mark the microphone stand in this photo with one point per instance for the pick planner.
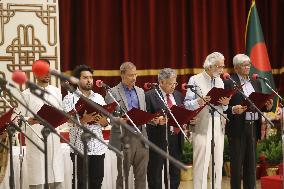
(21, 133)
(45, 132)
(212, 112)
(11, 132)
(21, 155)
(253, 108)
(125, 145)
(168, 152)
(168, 110)
(281, 121)
(107, 88)
(250, 102)
(118, 122)
(86, 136)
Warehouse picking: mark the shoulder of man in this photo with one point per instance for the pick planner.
(139, 90)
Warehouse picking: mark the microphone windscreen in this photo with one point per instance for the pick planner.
(147, 86)
(183, 86)
(99, 83)
(226, 76)
(19, 77)
(40, 68)
(254, 76)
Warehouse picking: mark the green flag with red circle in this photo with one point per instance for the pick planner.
(257, 51)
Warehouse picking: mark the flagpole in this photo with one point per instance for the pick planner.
(252, 5)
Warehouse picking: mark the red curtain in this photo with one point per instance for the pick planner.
(155, 34)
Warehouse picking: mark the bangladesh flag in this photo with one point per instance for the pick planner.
(256, 50)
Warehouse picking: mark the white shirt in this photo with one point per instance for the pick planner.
(35, 158)
(172, 98)
(191, 99)
(170, 95)
(95, 147)
(248, 89)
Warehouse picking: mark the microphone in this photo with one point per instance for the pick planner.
(20, 78)
(148, 85)
(41, 68)
(227, 76)
(100, 83)
(256, 76)
(185, 86)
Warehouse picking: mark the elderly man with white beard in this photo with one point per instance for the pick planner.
(202, 134)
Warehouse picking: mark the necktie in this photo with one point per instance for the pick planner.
(169, 101)
(170, 104)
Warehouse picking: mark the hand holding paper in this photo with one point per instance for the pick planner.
(220, 95)
(201, 102)
(239, 109)
(259, 99)
(224, 100)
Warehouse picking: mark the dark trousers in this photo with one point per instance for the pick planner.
(242, 157)
(96, 171)
(156, 163)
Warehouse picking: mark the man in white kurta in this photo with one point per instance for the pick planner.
(34, 157)
(202, 135)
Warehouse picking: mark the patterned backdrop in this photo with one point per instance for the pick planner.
(28, 31)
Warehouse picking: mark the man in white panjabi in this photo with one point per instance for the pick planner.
(34, 157)
(202, 134)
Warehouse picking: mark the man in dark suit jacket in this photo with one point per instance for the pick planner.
(129, 96)
(157, 130)
(243, 127)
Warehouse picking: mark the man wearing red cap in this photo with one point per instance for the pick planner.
(34, 157)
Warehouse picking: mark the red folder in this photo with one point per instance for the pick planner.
(182, 115)
(217, 93)
(82, 106)
(52, 115)
(5, 119)
(259, 99)
(140, 117)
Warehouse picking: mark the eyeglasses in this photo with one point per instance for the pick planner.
(172, 84)
(220, 67)
(246, 65)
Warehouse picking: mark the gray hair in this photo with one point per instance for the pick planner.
(212, 59)
(239, 59)
(126, 66)
(166, 73)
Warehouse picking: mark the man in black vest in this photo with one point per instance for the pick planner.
(243, 127)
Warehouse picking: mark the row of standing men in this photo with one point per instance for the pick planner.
(241, 130)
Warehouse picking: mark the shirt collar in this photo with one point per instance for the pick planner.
(163, 93)
(205, 74)
(126, 87)
(242, 79)
(79, 92)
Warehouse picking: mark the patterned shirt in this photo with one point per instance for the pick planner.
(95, 147)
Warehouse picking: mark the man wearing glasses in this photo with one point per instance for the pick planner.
(243, 126)
(157, 131)
(202, 134)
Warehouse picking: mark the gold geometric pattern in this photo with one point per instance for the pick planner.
(24, 50)
(28, 31)
(47, 16)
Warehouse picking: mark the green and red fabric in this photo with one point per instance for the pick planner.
(257, 51)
